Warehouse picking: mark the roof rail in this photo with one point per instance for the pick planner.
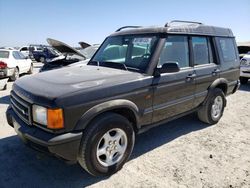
(125, 27)
(182, 21)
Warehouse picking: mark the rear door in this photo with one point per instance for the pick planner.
(229, 60)
(205, 66)
(174, 92)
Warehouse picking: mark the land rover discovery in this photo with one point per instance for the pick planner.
(138, 78)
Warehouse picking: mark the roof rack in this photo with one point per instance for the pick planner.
(125, 27)
(182, 21)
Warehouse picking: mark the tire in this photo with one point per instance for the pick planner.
(42, 59)
(31, 69)
(15, 75)
(213, 108)
(243, 80)
(100, 137)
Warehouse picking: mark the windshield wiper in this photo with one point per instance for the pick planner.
(116, 65)
(109, 64)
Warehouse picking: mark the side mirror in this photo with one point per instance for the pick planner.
(168, 67)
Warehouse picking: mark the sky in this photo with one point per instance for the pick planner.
(24, 22)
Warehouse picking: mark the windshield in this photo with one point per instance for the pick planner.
(130, 52)
(4, 54)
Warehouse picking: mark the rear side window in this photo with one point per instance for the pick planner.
(4, 54)
(227, 48)
(16, 55)
(175, 50)
(200, 50)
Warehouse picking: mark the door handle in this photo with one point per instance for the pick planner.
(216, 71)
(190, 77)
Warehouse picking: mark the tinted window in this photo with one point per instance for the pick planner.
(175, 50)
(4, 54)
(200, 50)
(227, 48)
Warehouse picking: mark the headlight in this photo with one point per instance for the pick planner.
(52, 118)
(39, 114)
(244, 62)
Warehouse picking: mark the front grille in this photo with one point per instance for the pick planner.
(21, 107)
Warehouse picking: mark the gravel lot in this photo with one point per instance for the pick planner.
(182, 153)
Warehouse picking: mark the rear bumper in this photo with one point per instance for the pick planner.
(65, 145)
(6, 72)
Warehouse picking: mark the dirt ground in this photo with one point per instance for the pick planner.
(182, 153)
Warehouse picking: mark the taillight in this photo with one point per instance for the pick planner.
(2, 65)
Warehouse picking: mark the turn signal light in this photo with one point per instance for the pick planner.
(55, 119)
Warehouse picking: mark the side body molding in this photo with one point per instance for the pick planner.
(104, 107)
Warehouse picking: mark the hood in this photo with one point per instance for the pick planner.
(66, 81)
(84, 44)
(63, 48)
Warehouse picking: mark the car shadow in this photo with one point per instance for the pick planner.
(245, 87)
(5, 100)
(24, 167)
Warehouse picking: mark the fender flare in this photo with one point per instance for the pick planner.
(218, 82)
(96, 110)
(214, 85)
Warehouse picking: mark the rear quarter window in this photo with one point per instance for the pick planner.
(4, 54)
(227, 49)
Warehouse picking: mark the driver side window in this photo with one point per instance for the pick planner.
(175, 50)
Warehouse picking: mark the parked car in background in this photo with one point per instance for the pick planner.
(26, 50)
(46, 54)
(40, 53)
(245, 69)
(138, 79)
(13, 63)
(70, 56)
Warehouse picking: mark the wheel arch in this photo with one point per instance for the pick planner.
(123, 107)
(220, 83)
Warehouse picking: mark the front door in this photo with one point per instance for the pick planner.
(174, 92)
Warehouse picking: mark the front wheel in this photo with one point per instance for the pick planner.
(106, 144)
(212, 110)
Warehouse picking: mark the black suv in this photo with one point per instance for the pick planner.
(137, 79)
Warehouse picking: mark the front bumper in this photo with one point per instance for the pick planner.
(245, 71)
(65, 145)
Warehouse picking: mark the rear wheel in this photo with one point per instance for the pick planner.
(106, 144)
(213, 109)
(243, 80)
(15, 75)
